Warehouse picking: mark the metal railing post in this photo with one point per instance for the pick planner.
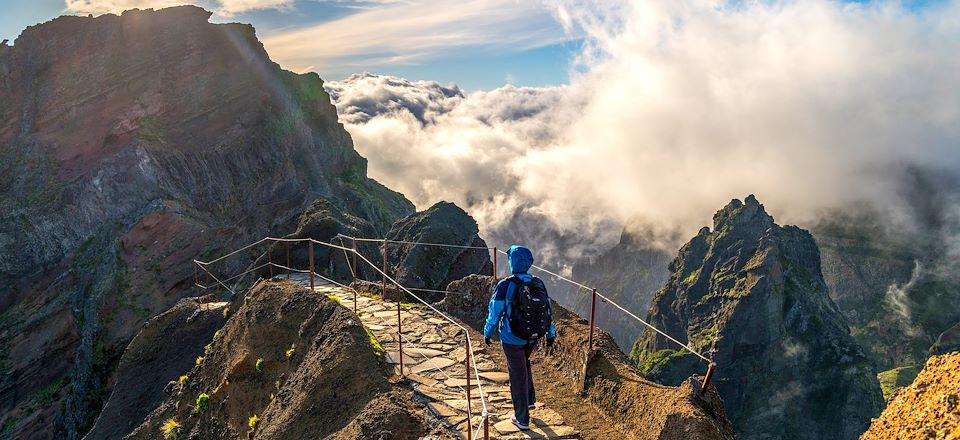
(311, 264)
(706, 379)
(288, 259)
(206, 291)
(196, 278)
(399, 298)
(466, 344)
(353, 257)
(486, 427)
(593, 311)
(494, 261)
(270, 260)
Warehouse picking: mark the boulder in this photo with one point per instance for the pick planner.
(418, 266)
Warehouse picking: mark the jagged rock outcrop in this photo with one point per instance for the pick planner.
(751, 294)
(433, 267)
(927, 409)
(165, 349)
(298, 361)
(629, 273)
(130, 145)
(612, 387)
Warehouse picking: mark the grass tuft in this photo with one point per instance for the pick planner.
(259, 365)
(170, 429)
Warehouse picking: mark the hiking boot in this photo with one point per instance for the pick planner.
(519, 425)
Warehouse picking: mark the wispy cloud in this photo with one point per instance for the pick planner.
(410, 32)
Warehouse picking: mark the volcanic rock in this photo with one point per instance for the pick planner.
(130, 145)
(433, 267)
(751, 295)
(298, 361)
(928, 409)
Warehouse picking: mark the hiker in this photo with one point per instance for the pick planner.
(520, 308)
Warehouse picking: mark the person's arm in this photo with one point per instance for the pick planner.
(498, 305)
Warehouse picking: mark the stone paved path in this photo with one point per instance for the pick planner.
(434, 363)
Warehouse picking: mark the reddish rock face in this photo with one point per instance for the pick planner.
(130, 145)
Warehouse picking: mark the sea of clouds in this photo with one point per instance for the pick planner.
(674, 108)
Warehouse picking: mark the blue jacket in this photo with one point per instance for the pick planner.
(520, 259)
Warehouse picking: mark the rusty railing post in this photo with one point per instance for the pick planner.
(353, 258)
(466, 343)
(706, 379)
(593, 311)
(196, 278)
(311, 264)
(399, 298)
(270, 260)
(206, 290)
(486, 427)
(494, 261)
(288, 259)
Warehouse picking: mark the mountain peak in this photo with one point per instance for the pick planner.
(750, 214)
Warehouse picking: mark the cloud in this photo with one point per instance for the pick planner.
(224, 8)
(674, 109)
(410, 32)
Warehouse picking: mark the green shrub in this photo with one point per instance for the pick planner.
(252, 421)
(202, 401)
(259, 365)
(291, 350)
(199, 360)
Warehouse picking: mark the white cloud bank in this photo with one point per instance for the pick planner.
(682, 106)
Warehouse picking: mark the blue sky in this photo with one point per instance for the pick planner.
(479, 44)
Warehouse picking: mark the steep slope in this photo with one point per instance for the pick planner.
(751, 293)
(128, 146)
(891, 270)
(433, 267)
(611, 400)
(928, 409)
(296, 360)
(162, 351)
(629, 273)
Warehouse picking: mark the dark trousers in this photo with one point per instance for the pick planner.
(521, 380)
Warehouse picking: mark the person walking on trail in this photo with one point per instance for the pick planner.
(520, 309)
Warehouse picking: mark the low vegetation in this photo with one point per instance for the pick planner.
(892, 380)
(259, 365)
(291, 350)
(170, 429)
(202, 401)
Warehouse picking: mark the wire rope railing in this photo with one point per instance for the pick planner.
(352, 254)
(711, 365)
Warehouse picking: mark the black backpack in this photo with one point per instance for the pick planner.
(529, 309)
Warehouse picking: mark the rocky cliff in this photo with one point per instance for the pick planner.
(891, 273)
(629, 273)
(751, 294)
(128, 146)
(433, 267)
(928, 409)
